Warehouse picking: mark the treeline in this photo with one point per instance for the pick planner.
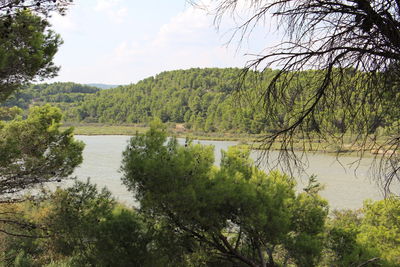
(218, 100)
(65, 95)
(202, 99)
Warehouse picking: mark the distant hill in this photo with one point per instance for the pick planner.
(102, 85)
(201, 99)
(209, 100)
(206, 100)
(65, 95)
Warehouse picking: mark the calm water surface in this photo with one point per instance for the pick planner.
(343, 188)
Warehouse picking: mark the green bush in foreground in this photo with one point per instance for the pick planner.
(370, 235)
(238, 213)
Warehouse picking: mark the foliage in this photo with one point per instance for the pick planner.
(34, 151)
(380, 228)
(89, 227)
(85, 227)
(67, 96)
(196, 97)
(58, 92)
(41, 7)
(370, 235)
(9, 113)
(27, 50)
(236, 211)
(72, 218)
(342, 231)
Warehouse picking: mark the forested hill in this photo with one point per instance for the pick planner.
(59, 92)
(200, 98)
(203, 99)
(67, 96)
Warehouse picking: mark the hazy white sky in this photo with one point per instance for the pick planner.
(123, 41)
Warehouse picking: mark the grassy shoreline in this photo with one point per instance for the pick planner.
(104, 129)
(245, 140)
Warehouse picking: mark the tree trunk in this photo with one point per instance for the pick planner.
(262, 260)
(271, 262)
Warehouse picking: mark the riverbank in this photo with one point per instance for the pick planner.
(251, 141)
(177, 130)
(102, 129)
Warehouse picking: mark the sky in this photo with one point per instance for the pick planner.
(124, 41)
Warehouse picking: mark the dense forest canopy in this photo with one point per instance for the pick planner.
(58, 92)
(65, 96)
(208, 100)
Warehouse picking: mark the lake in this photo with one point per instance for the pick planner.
(343, 187)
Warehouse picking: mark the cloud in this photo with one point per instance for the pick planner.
(102, 5)
(63, 23)
(68, 22)
(187, 40)
(191, 26)
(125, 51)
(188, 31)
(115, 10)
